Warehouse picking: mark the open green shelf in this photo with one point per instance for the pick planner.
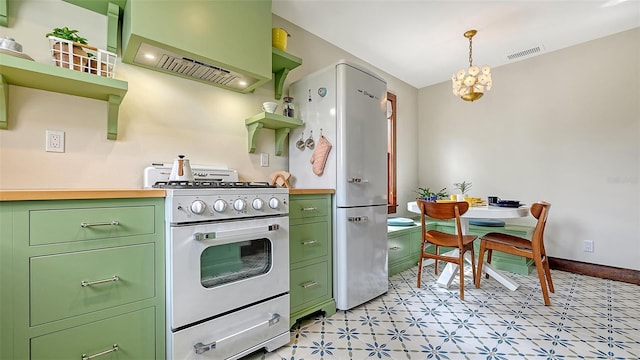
(281, 63)
(281, 124)
(27, 73)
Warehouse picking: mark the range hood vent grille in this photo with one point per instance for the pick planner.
(198, 70)
(153, 57)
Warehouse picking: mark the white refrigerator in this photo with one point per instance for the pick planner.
(346, 104)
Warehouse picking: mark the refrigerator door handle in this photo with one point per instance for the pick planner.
(358, 218)
(357, 180)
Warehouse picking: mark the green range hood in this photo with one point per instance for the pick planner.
(225, 43)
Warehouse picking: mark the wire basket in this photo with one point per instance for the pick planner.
(80, 57)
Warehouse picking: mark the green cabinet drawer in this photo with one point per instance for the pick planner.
(310, 283)
(52, 226)
(132, 333)
(308, 241)
(306, 207)
(399, 246)
(56, 281)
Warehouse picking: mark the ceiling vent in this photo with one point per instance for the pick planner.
(526, 53)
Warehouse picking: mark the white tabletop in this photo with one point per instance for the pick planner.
(484, 212)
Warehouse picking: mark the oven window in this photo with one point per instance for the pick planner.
(223, 264)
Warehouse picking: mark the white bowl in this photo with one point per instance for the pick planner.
(269, 106)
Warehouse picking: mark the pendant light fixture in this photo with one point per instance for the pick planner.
(471, 85)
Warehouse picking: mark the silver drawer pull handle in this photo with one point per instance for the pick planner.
(395, 248)
(310, 242)
(200, 348)
(358, 219)
(89, 357)
(85, 283)
(309, 284)
(309, 209)
(108, 223)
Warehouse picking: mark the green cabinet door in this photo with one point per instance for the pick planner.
(308, 241)
(309, 284)
(129, 336)
(66, 285)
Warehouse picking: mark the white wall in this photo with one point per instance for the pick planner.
(161, 115)
(562, 127)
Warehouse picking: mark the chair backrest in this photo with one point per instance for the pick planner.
(540, 211)
(443, 211)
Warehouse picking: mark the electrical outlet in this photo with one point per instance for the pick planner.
(264, 159)
(54, 141)
(588, 246)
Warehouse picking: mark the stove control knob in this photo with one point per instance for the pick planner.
(220, 206)
(239, 205)
(274, 203)
(257, 204)
(198, 207)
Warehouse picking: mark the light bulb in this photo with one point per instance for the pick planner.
(469, 80)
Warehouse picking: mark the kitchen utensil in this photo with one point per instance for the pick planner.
(279, 38)
(269, 106)
(300, 144)
(181, 170)
(310, 143)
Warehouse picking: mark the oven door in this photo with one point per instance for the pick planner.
(219, 267)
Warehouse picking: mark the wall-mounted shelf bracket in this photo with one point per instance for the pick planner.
(281, 124)
(281, 63)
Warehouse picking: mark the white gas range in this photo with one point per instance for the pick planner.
(227, 252)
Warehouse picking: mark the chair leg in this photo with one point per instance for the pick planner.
(436, 260)
(480, 262)
(461, 265)
(420, 270)
(489, 253)
(547, 272)
(543, 284)
(473, 264)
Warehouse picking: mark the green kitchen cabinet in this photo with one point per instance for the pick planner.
(403, 247)
(310, 252)
(81, 278)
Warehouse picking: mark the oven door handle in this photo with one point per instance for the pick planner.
(233, 233)
(201, 348)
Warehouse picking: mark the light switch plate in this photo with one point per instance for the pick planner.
(264, 159)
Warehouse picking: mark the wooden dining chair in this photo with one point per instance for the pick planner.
(464, 243)
(532, 249)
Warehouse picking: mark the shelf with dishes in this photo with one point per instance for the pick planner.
(24, 72)
(281, 124)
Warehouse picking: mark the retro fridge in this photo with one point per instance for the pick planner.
(343, 108)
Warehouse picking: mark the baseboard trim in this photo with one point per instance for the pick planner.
(600, 271)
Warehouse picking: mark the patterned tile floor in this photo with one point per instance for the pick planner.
(590, 318)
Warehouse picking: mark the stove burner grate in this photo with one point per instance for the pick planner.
(183, 184)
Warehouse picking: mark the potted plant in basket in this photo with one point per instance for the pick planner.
(61, 52)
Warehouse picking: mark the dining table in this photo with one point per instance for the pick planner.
(478, 212)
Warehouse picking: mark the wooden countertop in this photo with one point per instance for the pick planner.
(310, 191)
(70, 194)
